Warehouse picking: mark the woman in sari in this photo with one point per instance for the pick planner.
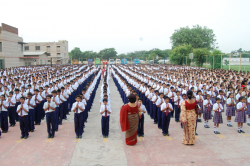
(188, 119)
(129, 119)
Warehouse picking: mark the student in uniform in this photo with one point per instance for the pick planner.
(177, 103)
(199, 99)
(166, 109)
(207, 110)
(49, 107)
(55, 99)
(230, 111)
(158, 107)
(12, 109)
(241, 113)
(171, 96)
(222, 98)
(248, 110)
(154, 100)
(31, 103)
(23, 110)
(105, 111)
(4, 114)
(17, 97)
(78, 108)
(140, 131)
(217, 119)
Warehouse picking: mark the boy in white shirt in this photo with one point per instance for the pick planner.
(49, 108)
(55, 99)
(23, 110)
(78, 108)
(4, 117)
(105, 111)
(166, 109)
(177, 106)
(158, 107)
(12, 109)
(140, 131)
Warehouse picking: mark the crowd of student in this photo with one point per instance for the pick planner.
(29, 94)
(162, 89)
(105, 109)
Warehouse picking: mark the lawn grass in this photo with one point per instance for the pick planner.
(232, 67)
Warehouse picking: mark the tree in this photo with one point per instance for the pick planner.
(152, 56)
(217, 59)
(178, 53)
(199, 55)
(226, 62)
(75, 53)
(197, 37)
(108, 53)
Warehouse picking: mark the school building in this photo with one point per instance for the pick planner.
(57, 51)
(11, 47)
(14, 52)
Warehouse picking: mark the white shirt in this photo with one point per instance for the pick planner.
(206, 101)
(80, 104)
(143, 108)
(164, 105)
(22, 112)
(12, 100)
(52, 104)
(216, 105)
(240, 104)
(32, 102)
(6, 104)
(229, 100)
(176, 100)
(103, 108)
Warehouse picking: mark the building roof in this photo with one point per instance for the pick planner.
(35, 53)
(29, 57)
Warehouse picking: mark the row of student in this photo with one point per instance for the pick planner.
(36, 102)
(178, 99)
(105, 109)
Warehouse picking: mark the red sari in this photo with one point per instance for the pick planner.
(129, 123)
(103, 71)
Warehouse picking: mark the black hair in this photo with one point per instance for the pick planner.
(189, 94)
(132, 98)
(217, 99)
(140, 99)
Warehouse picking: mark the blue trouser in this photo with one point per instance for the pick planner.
(141, 125)
(4, 120)
(31, 119)
(105, 125)
(151, 109)
(24, 125)
(12, 115)
(177, 112)
(155, 113)
(65, 109)
(42, 112)
(38, 113)
(56, 112)
(172, 102)
(17, 117)
(60, 114)
(0, 121)
(165, 122)
(78, 119)
(50, 119)
(159, 113)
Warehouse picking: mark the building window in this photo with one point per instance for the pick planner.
(58, 48)
(37, 48)
(48, 48)
(65, 48)
(0, 46)
(64, 55)
(41, 61)
(20, 47)
(26, 48)
(58, 54)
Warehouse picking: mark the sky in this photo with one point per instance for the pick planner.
(127, 25)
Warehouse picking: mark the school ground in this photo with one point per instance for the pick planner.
(228, 148)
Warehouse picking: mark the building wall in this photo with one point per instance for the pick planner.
(10, 47)
(56, 49)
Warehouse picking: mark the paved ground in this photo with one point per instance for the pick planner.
(229, 148)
